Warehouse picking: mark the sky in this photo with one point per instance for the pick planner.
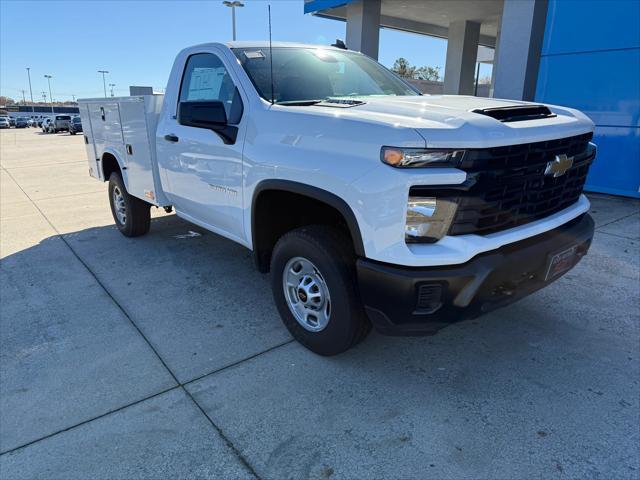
(136, 41)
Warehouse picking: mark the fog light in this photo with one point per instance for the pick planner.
(428, 219)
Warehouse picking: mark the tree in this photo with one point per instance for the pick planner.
(403, 68)
(7, 100)
(428, 73)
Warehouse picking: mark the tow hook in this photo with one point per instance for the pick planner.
(509, 288)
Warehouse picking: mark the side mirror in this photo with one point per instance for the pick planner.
(208, 114)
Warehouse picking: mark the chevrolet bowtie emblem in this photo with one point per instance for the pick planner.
(559, 165)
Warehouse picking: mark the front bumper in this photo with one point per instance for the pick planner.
(420, 301)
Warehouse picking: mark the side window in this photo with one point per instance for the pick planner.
(206, 78)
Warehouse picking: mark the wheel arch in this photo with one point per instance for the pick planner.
(316, 195)
(111, 162)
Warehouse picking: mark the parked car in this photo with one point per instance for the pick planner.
(45, 125)
(12, 121)
(369, 203)
(22, 122)
(60, 123)
(4, 122)
(75, 125)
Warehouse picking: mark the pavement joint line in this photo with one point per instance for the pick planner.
(84, 422)
(42, 165)
(236, 363)
(32, 200)
(44, 199)
(230, 444)
(617, 220)
(618, 236)
(149, 397)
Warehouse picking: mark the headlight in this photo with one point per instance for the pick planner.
(428, 219)
(420, 157)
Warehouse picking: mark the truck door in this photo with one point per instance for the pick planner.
(204, 174)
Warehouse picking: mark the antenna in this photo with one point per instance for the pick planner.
(271, 57)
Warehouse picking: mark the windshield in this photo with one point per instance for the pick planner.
(76, 120)
(63, 117)
(304, 75)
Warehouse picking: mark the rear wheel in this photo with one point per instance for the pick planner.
(132, 215)
(313, 280)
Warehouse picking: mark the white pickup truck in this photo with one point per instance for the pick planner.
(369, 203)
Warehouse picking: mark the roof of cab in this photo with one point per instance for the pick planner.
(265, 44)
(262, 44)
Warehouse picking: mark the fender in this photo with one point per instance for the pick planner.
(123, 168)
(317, 194)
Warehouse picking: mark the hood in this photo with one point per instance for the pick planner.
(450, 121)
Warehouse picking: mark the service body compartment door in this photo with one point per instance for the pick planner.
(92, 157)
(106, 126)
(137, 150)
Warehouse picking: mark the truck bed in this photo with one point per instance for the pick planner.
(125, 127)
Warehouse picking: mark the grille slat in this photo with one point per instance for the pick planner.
(511, 188)
(507, 186)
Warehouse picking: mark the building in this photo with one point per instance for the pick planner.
(583, 54)
(37, 110)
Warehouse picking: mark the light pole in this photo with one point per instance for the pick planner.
(233, 6)
(30, 91)
(24, 100)
(112, 85)
(49, 77)
(104, 84)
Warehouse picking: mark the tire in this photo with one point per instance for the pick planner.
(330, 253)
(136, 213)
(72, 133)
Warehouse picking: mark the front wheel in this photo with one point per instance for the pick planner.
(132, 215)
(314, 284)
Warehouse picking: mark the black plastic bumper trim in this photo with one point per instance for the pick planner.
(484, 283)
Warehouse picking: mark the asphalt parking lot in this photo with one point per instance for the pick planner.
(164, 357)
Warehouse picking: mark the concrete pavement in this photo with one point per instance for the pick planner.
(164, 356)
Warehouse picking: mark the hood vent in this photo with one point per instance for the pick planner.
(517, 113)
(341, 102)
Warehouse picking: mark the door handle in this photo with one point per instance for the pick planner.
(171, 137)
